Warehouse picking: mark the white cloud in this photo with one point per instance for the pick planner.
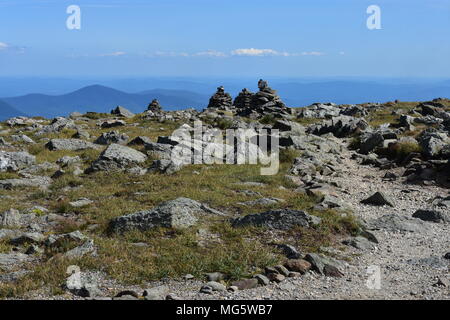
(342, 53)
(114, 54)
(168, 54)
(210, 53)
(252, 52)
(4, 46)
(313, 53)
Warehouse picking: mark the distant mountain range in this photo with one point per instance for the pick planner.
(99, 98)
(6, 111)
(180, 93)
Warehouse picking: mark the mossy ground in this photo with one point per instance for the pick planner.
(209, 247)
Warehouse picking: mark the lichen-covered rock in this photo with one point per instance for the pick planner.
(179, 214)
(117, 157)
(69, 145)
(32, 181)
(112, 137)
(283, 219)
(14, 161)
(122, 112)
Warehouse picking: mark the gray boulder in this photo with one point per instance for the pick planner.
(112, 137)
(14, 219)
(394, 222)
(283, 219)
(138, 141)
(22, 138)
(158, 150)
(325, 265)
(370, 141)
(359, 243)
(117, 157)
(78, 285)
(432, 142)
(33, 181)
(13, 161)
(69, 145)
(165, 166)
(112, 124)
(122, 112)
(57, 125)
(179, 214)
(378, 199)
(432, 216)
(341, 126)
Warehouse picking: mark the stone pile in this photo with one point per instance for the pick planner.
(221, 100)
(265, 102)
(154, 106)
(244, 99)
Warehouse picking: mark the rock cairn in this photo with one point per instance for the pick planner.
(221, 100)
(154, 106)
(265, 102)
(244, 99)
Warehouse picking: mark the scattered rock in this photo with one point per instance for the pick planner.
(69, 145)
(117, 157)
(359, 243)
(282, 270)
(378, 199)
(432, 216)
(216, 286)
(319, 262)
(138, 141)
(179, 213)
(112, 124)
(283, 219)
(122, 112)
(394, 222)
(112, 137)
(14, 161)
(298, 265)
(289, 251)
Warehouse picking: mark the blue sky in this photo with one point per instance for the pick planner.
(256, 38)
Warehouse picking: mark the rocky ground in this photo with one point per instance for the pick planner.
(97, 206)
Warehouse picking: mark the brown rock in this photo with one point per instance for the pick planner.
(298, 265)
(332, 271)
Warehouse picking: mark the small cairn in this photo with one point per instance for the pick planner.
(221, 100)
(154, 106)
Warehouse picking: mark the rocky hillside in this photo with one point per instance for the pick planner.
(96, 206)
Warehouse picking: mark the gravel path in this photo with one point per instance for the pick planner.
(410, 263)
